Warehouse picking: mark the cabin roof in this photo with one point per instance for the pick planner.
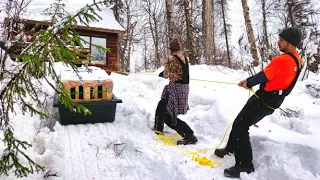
(77, 27)
(35, 14)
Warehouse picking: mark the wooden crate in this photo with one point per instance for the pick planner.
(89, 90)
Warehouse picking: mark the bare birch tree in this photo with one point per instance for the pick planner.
(225, 26)
(189, 39)
(264, 24)
(208, 33)
(264, 46)
(126, 41)
(290, 4)
(170, 19)
(250, 34)
(153, 8)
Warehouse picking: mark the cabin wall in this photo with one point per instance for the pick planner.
(112, 56)
(112, 43)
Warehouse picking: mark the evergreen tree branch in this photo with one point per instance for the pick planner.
(37, 63)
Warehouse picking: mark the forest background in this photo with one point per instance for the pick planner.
(236, 34)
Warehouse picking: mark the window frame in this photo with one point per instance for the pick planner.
(91, 35)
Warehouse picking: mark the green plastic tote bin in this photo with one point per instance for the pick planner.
(101, 111)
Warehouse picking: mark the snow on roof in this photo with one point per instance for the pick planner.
(36, 8)
(95, 73)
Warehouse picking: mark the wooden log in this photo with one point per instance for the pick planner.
(69, 84)
(107, 87)
(87, 86)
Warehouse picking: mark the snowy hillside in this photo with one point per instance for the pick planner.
(283, 148)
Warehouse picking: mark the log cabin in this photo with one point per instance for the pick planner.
(105, 33)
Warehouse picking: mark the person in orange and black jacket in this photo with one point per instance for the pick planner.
(276, 82)
(174, 99)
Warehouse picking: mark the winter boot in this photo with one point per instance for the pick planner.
(221, 152)
(234, 171)
(158, 132)
(188, 140)
(158, 125)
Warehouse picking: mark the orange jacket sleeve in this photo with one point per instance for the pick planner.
(272, 69)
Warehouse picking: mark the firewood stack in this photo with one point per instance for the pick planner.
(89, 90)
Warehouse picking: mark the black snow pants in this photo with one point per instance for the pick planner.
(161, 117)
(254, 110)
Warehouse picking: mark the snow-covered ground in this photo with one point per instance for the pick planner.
(283, 148)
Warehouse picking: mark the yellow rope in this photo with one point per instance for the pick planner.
(204, 80)
(167, 140)
(224, 136)
(202, 160)
(170, 140)
(254, 93)
(151, 74)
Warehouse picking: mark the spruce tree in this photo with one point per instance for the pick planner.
(37, 61)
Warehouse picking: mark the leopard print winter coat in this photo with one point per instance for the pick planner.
(172, 68)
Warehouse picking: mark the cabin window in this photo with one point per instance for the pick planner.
(86, 39)
(98, 56)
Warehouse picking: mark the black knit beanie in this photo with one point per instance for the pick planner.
(292, 35)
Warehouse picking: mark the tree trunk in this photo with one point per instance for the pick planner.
(156, 41)
(126, 41)
(116, 11)
(250, 34)
(265, 47)
(121, 51)
(128, 38)
(290, 4)
(225, 31)
(208, 33)
(154, 32)
(145, 50)
(264, 21)
(189, 32)
(127, 65)
(170, 19)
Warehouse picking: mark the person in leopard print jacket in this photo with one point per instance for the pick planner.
(173, 69)
(174, 99)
